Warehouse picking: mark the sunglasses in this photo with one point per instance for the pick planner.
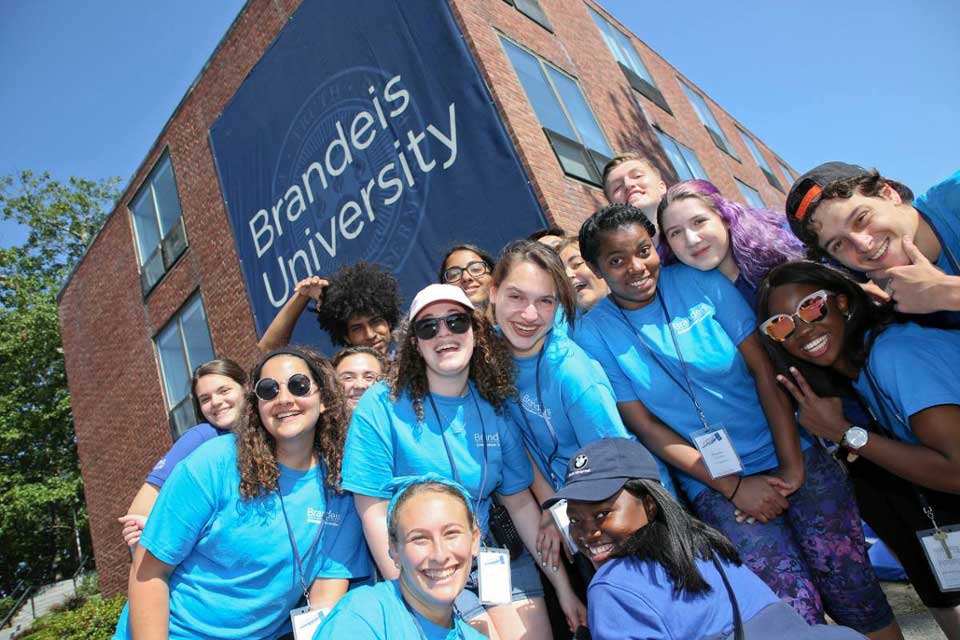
(810, 310)
(298, 385)
(428, 328)
(475, 268)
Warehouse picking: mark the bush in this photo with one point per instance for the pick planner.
(96, 619)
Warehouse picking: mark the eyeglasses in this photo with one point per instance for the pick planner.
(428, 328)
(475, 268)
(298, 385)
(812, 309)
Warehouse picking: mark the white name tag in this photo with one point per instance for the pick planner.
(306, 621)
(559, 513)
(943, 554)
(717, 451)
(495, 583)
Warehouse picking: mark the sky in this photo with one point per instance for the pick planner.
(87, 86)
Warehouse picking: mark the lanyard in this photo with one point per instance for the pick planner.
(298, 560)
(944, 248)
(446, 446)
(528, 434)
(688, 388)
(416, 619)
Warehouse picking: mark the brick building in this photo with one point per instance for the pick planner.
(161, 288)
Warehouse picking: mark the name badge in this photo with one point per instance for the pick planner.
(306, 621)
(559, 513)
(942, 548)
(717, 450)
(495, 583)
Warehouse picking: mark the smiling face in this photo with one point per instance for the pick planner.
(599, 528)
(434, 545)
(477, 288)
(820, 343)
(221, 400)
(865, 233)
(696, 234)
(447, 354)
(356, 374)
(628, 263)
(589, 288)
(637, 183)
(289, 418)
(525, 304)
(369, 331)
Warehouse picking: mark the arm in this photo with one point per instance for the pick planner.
(549, 539)
(278, 333)
(149, 594)
(526, 517)
(137, 513)
(326, 592)
(373, 516)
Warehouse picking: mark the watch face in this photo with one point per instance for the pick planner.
(855, 437)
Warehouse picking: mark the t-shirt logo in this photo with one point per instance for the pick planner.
(579, 461)
(317, 516)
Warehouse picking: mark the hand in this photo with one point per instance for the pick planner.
(573, 609)
(759, 497)
(312, 288)
(876, 293)
(132, 527)
(917, 287)
(820, 416)
(549, 542)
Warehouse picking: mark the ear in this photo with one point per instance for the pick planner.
(493, 291)
(889, 193)
(475, 544)
(323, 408)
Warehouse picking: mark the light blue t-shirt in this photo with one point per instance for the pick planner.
(386, 440)
(234, 574)
(710, 319)
(379, 613)
(914, 368)
(630, 598)
(940, 205)
(186, 444)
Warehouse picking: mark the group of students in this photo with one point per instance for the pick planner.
(426, 480)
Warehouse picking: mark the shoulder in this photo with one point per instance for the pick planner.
(948, 189)
(910, 341)
(215, 452)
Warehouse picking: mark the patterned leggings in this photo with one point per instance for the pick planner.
(814, 554)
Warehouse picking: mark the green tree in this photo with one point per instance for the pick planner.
(41, 492)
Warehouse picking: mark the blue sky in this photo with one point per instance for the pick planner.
(87, 86)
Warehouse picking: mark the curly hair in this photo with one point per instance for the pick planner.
(358, 289)
(609, 218)
(491, 367)
(257, 449)
(758, 239)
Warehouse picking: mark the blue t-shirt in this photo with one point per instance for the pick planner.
(630, 598)
(747, 290)
(914, 368)
(234, 575)
(940, 206)
(184, 446)
(379, 613)
(386, 440)
(710, 319)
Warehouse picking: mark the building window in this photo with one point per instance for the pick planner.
(685, 162)
(533, 10)
(567, 120)
(787, 173)
(761, 161)
(629, 60)
(157, 224)
(751, 195)
(710, 122)
(182, 346)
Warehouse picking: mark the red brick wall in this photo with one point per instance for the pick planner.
(108, 328)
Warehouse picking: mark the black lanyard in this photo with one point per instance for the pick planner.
(688, 388)
(416, 620)
(298, 560)
(529, 436)
(446, 446)
(944, 247)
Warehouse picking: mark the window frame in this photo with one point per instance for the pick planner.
(679, 148)
(532, 10)
(719, 137)
(754, 150)
(743, 186)
(787, 172)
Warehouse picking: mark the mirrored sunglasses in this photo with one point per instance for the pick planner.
(812, 309)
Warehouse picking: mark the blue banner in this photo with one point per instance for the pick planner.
(365, 132)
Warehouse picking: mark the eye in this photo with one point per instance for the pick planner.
(835, 246)
(514, 296)
(549, 301)
(600, 515)
(614, 262)
(644, 252)
(573, 520)
(674, 233)
(699, 221)
(203, 399)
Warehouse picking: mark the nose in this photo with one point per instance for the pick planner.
(529, 312)
(637, 265)
(283, 395)
(862, 241)
(361, 384)
(369, 334)
(691, 237)
(466, 278)
(570, 272)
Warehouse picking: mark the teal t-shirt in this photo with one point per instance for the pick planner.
(940, 205)
(234, 574)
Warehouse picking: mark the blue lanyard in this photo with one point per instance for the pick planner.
(528, 435)
(298, 560)
(446, 445)
(416, 619)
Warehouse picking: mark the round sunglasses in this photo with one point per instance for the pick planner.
(298, 385)
(812, 309)
(475, 268)
(428, 328)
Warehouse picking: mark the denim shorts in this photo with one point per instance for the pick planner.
(524, 575)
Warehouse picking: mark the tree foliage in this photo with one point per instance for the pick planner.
(41, 493)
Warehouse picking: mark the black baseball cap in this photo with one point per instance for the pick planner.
(600, 469)
(810, 185)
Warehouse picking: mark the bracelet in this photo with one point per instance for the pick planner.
(735, 489)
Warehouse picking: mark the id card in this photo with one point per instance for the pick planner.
(717, 450)
(495, 583)
(559, 513)
(943, 554)
(305, 621)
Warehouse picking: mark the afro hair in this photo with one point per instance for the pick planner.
(358, 289)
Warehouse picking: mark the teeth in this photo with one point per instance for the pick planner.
(446, 347)
(284, 416)
(579, 286)
(814, 345)
(596, 550)
(880, 251)
(439, 574)
(637, 283)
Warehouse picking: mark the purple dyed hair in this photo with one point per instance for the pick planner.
(759, 238)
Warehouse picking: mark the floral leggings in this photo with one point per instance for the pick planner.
(814, 554)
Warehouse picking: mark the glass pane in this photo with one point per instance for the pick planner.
(703, 111)
(693, 163)
(531, 9)
(751, 196)
(573, 159)
(166, 191)
(541, 96)
(787, 174)
(173, 364)
(755, 151)
(196, 334)
(582, 117)
(673, 154)
(145, 223)
(183, 417)
(621, 47)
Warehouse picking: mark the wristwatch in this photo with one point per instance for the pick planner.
(855, 437)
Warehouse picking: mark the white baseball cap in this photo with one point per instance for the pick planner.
(437, 293)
